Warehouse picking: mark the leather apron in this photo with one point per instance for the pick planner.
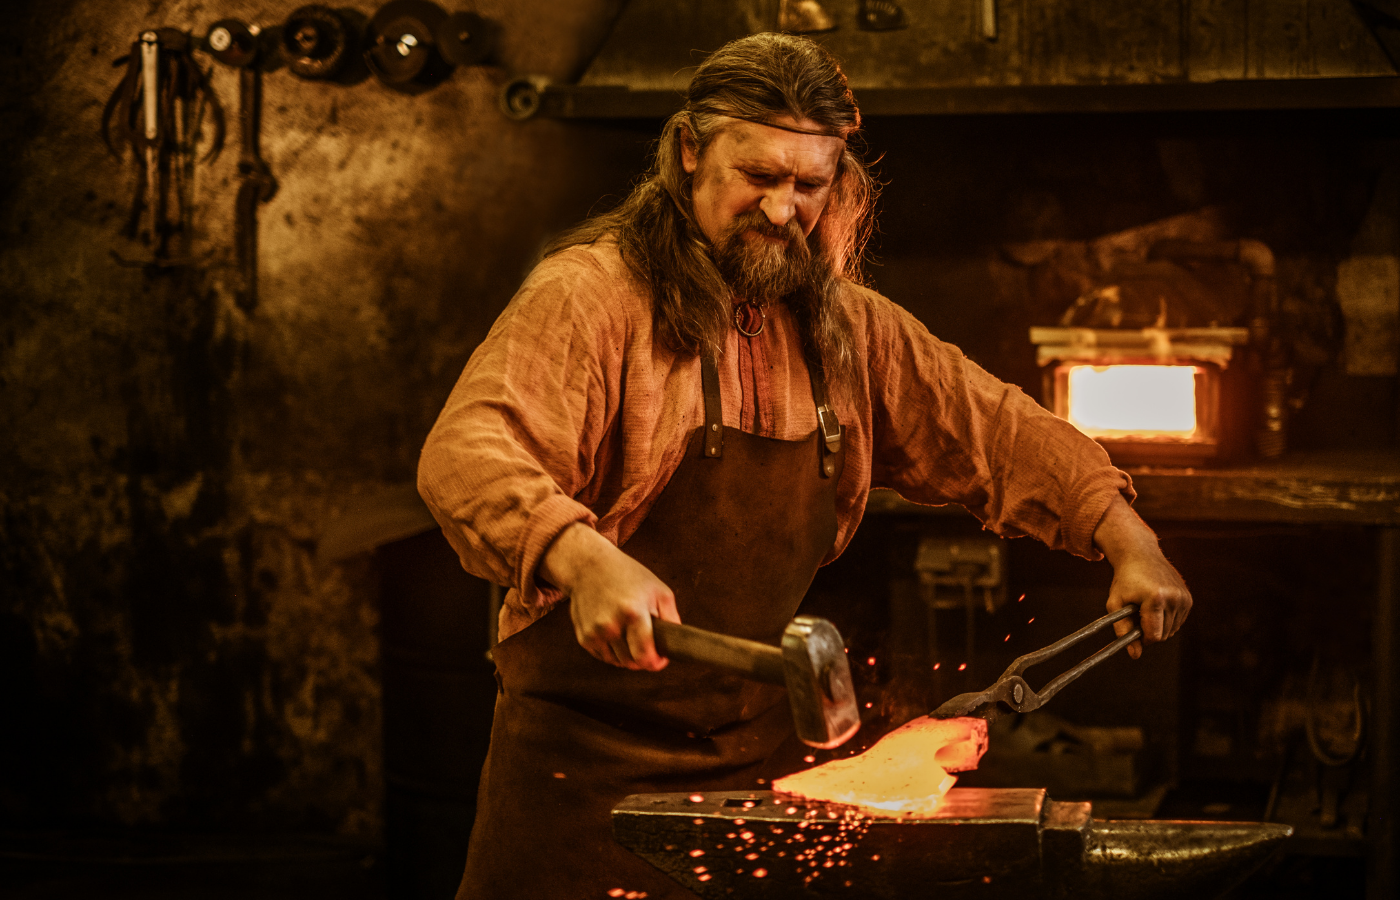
(737, 534)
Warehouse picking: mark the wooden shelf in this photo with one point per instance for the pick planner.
(1342, 487)
(605, 101)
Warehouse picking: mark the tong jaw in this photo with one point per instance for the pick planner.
(1011, 690)
(1011, 693)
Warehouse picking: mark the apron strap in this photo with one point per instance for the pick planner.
(714, 416)
(827, 423)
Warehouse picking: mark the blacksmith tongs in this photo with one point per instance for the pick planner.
(1010, 691)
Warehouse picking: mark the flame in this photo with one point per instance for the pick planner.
(906, 773)
(1133, 401)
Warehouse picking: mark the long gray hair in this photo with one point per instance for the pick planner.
(758, 78)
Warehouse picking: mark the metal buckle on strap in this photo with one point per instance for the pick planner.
(830, 428)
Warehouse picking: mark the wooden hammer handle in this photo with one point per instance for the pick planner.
(761, 662)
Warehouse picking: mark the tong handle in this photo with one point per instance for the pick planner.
(1023, 663)
(1036, 698)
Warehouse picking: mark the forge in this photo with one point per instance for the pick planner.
(982, 842)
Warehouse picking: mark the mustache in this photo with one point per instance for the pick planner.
(755, 220)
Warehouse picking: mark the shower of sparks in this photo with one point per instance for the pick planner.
(820, 842)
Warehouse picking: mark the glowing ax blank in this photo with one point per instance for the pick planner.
(906, 773)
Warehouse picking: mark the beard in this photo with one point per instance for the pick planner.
(760, 270)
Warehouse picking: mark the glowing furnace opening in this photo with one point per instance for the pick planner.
(1133, 401)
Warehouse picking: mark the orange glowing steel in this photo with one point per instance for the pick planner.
(1133, 401)
(906, 773)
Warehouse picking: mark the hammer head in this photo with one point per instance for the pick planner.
(819, 683)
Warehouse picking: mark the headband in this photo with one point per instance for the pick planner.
(787, 127)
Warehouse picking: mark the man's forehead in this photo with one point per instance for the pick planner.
(746, 137)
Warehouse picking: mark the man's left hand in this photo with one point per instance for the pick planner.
(1141, 575)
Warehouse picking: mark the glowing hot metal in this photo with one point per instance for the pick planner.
(906, 773)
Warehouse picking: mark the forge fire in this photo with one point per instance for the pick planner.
(1133, 401)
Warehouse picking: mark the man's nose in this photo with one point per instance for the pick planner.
(778, 204)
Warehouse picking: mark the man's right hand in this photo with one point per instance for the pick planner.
(612, 597)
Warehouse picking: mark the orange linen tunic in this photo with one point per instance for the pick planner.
(570, 411)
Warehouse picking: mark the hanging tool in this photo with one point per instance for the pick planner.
(239, 45)
(155, 110)
(150, 131)
(1011, 690)
(258, 185)
(989, 19)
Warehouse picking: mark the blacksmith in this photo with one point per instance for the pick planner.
(681, 414)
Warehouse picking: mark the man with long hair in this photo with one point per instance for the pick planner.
(681, 415)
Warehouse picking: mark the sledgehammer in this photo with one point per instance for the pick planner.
(811, 663)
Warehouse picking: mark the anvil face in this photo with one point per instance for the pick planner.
(982, 842)
(762, 846)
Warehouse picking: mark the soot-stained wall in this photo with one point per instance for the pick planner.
(173, 650)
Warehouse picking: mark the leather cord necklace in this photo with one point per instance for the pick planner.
(749, 318)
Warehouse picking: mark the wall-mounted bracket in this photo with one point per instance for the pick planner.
(963, 563)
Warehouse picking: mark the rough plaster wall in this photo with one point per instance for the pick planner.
(172, 650)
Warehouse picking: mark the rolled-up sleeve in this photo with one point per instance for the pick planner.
(516, 441)
(946, 431)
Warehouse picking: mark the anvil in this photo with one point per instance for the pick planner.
(982, 842)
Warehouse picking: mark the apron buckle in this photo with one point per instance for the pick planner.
(830, 428)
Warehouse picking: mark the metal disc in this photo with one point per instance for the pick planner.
(315, 40)
(401, 40)
(232, 43)
(520, 99)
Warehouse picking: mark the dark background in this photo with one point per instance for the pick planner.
(188, 672)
